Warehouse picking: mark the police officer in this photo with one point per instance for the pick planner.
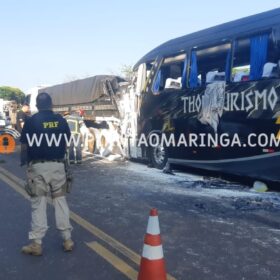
(46, 172)
(84, 131)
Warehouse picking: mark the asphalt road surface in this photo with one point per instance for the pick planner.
(211, 229)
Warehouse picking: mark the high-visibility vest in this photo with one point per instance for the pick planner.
(74, 123)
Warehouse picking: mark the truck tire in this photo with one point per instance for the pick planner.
(92, 141)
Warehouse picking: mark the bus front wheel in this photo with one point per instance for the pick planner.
(158, 156)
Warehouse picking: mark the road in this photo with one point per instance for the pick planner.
(211, 229)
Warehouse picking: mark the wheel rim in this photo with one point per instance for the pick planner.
(159, 154)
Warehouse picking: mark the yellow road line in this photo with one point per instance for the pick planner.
(15, 181)
(14, 185)
(113, 260)
(106, 238)
(17, 184)
(12, 176)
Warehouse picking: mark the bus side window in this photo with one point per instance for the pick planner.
(170, 74)
(241, 61)
(209, 65)
(255, 58)
(271, 68)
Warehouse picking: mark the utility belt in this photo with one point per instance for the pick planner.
(34, 191)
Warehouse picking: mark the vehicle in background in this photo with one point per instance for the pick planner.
(1, 105)
(221, 80)
(3, 121)
(31, 95)
(6, 125)
(8, 111)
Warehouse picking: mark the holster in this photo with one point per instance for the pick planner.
(69, 181)
(67, 187)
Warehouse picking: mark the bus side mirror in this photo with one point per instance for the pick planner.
(141, 78)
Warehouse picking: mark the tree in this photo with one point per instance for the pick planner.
(127, 71)
(11, 93)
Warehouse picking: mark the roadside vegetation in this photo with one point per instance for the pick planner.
(12, 93)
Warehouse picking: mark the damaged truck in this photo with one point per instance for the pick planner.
(99, 98)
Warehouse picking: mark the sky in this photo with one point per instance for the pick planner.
(51, 42)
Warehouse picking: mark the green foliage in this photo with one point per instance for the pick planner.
(11, 93)
(245, 69)
(127, 71)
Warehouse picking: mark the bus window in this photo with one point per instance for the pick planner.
(241, 61)
(169, 76)
(274, 51)
(271, 68)
(210, 65)
(255, 58)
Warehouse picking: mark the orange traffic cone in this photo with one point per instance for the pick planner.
(152, 266)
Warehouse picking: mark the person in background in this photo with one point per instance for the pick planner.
(22, 115)
(75, 150)
(84, 131)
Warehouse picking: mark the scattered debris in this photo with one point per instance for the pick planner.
(259, 187)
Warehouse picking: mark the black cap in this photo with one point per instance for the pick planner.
(44, 101)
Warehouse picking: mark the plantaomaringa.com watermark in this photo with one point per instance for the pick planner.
(53, 140)
(202, 140)
(8, 142)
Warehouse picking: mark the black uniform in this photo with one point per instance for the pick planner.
(45, 126)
